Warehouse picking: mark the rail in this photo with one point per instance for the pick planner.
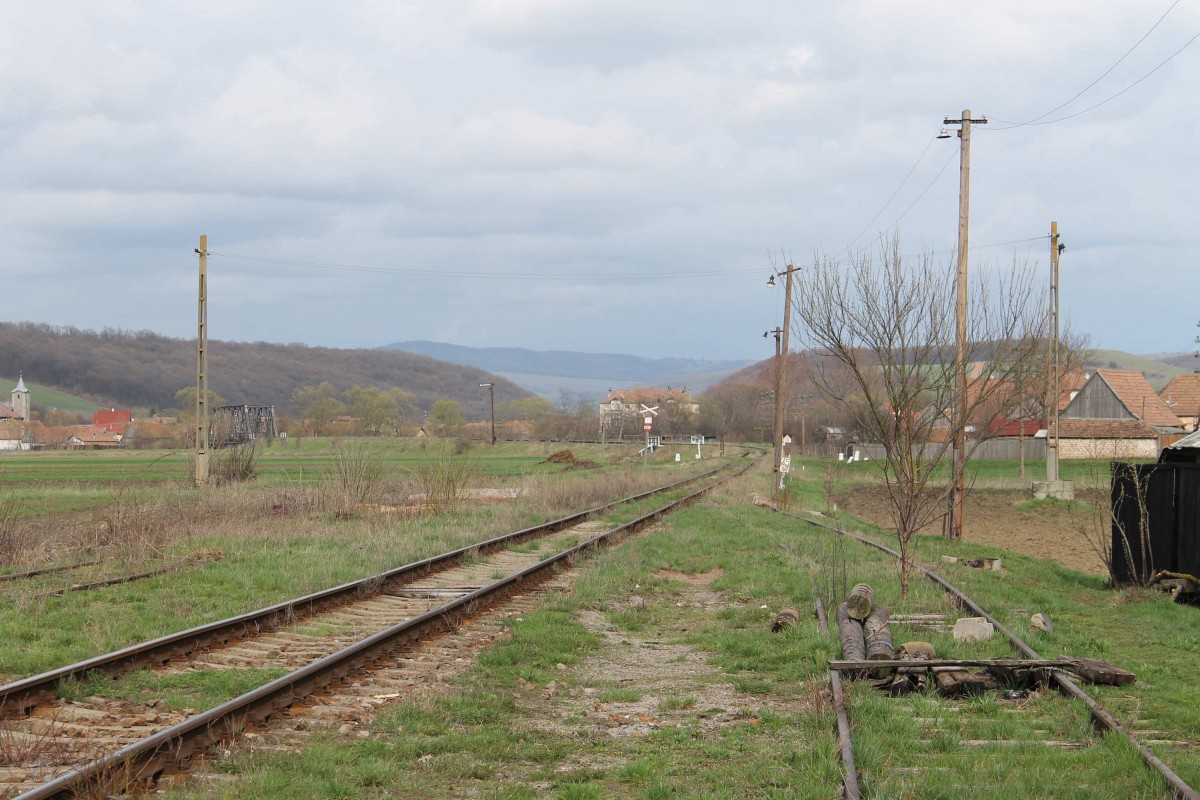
(1178, 786)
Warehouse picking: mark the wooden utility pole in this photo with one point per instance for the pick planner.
(781, 380)
(1055, 388)
(202, 368)
(960, 361)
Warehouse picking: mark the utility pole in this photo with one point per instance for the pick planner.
(1055, 388)
(491, 387)
(202, 368)
(776, 426)
(781, 376)
(960, 338)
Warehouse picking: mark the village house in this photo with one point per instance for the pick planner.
(1116, 414)
(1182, 396)
(115, 419)
(621, 410)
(91, 437)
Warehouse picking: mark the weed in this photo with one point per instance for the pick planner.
(235, 464)
(446, 477)
(677, 704)
(620, 694)
(353, 479)
(44, 744)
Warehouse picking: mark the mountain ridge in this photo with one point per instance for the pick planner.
(589, 374)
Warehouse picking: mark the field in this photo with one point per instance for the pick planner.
(655, 675)
(49, 482)
(51, 398)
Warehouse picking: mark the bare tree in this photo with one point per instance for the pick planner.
(882, 330)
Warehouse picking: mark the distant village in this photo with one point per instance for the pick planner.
(1108, 413)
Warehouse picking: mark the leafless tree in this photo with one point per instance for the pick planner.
(882, 331)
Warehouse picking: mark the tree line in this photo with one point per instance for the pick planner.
(144, 370)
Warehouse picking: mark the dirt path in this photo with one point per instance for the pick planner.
(994, 517)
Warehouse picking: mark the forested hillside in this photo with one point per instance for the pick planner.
(144, 369)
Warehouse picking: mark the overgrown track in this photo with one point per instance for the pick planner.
(171, 749)
(1178, 787)
(20, 696)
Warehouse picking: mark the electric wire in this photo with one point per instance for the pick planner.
(883, 208)
(923, 192)
(487, 275)
(1103, 75)
(589, 276)
(1167, 60)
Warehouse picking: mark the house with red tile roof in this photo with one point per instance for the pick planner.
(1116, 414)
(1182, 396)
(92, 437)
(117, 419)
(14, 435)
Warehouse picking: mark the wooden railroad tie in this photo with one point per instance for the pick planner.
(1089, 669)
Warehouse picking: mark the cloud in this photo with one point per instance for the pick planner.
(579, 139)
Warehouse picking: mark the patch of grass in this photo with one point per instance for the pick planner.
(197, 690)
(677, 704)
(621, 694)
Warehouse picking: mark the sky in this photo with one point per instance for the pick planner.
(604, 176)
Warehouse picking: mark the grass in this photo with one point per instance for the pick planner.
(58, 481)
(755, 722)
(194, 691)
(267, 559)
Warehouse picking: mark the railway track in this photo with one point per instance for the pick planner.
(347, 649)
(944, 724)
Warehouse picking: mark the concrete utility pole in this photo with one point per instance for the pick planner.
(202, 368)
(1055, 388)
(960, 338)
(776, 426)
(781, 374)
(491, 387)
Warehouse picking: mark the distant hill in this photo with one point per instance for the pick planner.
(50, 398)
(1187, 361)
(1157, 373)
(547, 371)
(143, 369)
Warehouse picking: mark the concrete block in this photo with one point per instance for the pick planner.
(973, 629)
(1059, 490)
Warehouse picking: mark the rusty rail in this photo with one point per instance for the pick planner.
(171, 749)
(20, 696)
(1178, 786)
(850, 790)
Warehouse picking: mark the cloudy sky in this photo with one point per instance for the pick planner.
(602, 175)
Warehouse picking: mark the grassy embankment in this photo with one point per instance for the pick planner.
(732, 711)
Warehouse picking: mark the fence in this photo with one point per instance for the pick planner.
(1156, 511)
(990, 450)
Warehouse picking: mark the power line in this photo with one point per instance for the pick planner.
(923, 191)
(1103, 75)
(1106, 100)
(561, 276)
(883, 208)
(344, 267)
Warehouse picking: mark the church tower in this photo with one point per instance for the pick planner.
(20, 400)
